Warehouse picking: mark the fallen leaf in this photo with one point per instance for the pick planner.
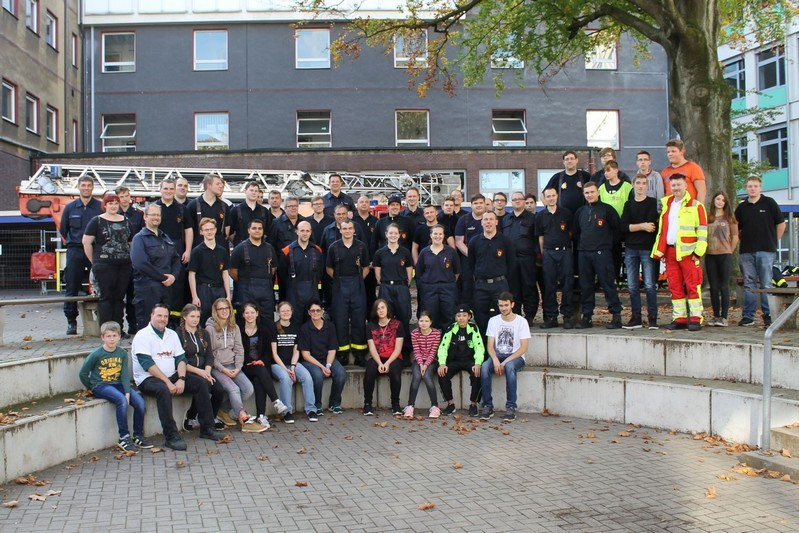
(591, 435)
(624, 433)
(381, 424)
(786, 477)
(156, 450)
(79, 402)
(93, 459)
(53, 493)
(181, 464)
(457, 466)
(773, 474)
(212, 452)
(25, 480)
(37, 497)
(727, 477)
(23, 315)
(225, 439)
(663, 453)
(506, 432)
(301, 484)
(302, 451)
(263, 458)
(40, 483)
(27, 338)
(426, 506)
(348, 437)
(615, 442)
(646, 449)
(27, 347)
(69, 400)
(12, 503)
(785, 452)
(710, 492)
(545, 412)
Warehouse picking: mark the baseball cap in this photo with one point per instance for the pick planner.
(396, 197)
(463, 309)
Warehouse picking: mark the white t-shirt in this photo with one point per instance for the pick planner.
(508, 335)
(163, 351)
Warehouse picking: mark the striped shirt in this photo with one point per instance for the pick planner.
(425, 346)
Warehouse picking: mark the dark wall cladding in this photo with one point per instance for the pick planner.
(13, 169)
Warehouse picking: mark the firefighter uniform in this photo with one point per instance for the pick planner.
(318, 226)
(135, 220)
(406, 226)
(491, 260)
(437, 274)
(198, 209)
(366, 227)
(240, 217)
(557, 263)
(331, 201)
(283, 231)
(394, 282)
(682, 247)
(300, 273)
(256, 267)
(208, 265)
(75, 218)
(521, 232)
(153, 256)
(349, 294)
(174, 223)
(467, 227)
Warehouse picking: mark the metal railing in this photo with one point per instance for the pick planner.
(765, 441)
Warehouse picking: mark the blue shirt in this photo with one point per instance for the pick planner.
(75, 218)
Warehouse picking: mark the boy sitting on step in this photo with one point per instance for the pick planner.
(105, 372)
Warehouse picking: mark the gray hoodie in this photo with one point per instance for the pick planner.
(226, 347)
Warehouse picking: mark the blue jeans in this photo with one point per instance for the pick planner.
(487, 371)
(115, 394)
(339, 376)
(305, 381)
(753, 266)
(635, 261)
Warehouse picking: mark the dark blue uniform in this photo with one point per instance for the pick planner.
(300, 272)
(491, 260)
(198, 209)
(207, 265)
(283, 231)
(521, 232)
(349, 294)
(406, 226)
(332, 201)
(317, 227)
(240, 217)
(366, 226)
(394, 282)
(175, 222)
(448, 221)
(596, 229)
(467, 227)
(153, 256)
(557, 262)
(437, 274)
(74, 219)
(256, 267)
(135, 220)
(417, 216)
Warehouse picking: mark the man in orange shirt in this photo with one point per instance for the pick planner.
(678, 164)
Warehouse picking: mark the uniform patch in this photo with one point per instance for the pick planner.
(562, 226)
(221, 266)
(499, 252)
(580, 184)
(402, 262)
(565, 185)
(600, 222)
(447, 263)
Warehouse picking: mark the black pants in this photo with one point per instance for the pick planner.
(113, 280)
(208, 294)
(718, 276)
(370, 284)
(485, 301)
(76, 274)
(522, 283)
(453, 367)
(558, 269)
(196, 386)
(440, 300)
(145, 295)
(217, 397)
(465, 282)
(258, 291)
(349, 313)
(394, 380)
(300, 294)
(597, 264)
(261, 377)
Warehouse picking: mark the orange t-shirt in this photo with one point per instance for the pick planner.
(692, 172)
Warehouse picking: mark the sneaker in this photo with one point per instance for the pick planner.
(435, 412)
(225, 418)
(567, 322)
(615, 322)
(367, 410)
(176, 444)
(337, 410)
(633, 323)
(261, 419)
(396, 410)
(72, 328)
(126, 444)
(219, 425)
(320, 411)
(653, 322)
(210, 434)
(722, 323)
(767, 320)
(510, 415)
(449, 409)
(288, 418)
(694, 326)
(407, 412)
(190, 424)
(487, 413)
(549, 323)
(280, 407)
(585, 323)
(746, 322)
(473, 410)
(676, 325)
(312, 416)
(252, 426)
(143, 443)
(712, 321)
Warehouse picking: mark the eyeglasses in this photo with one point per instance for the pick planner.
(223, 308)
(314, 310)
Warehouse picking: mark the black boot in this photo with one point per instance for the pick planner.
(615, 323)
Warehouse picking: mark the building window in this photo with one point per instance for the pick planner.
(735, 76)
(493, 181)
(31, 113)
(9, 101)
(312, 48)
(119, 52)
(740, 149)
(10, 6)
(771, 68)
(602, 57)
(210, 50)
(313, 129)
(51, 30)
(412, 128)
(51, 128)
(508, 128)
(211, 131)
(74, 50)
(74, 135)
(506, 60)
(774, 148)
(602, 128)
(410, 50)
(119, 133)
(32, 15)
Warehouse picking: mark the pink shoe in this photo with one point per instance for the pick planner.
(435, 412)
(407, 412)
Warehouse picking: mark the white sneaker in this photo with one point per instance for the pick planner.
(280, 407)
(261, 419)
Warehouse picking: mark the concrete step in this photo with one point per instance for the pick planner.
(774, 463)
(785, 438)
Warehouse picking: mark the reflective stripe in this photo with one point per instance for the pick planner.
(701, 238)
(344, 348)
(688, 228)
(359, 346)
(678, 309)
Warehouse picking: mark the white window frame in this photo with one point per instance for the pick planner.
(204, 145)
(738, 75)
(603, 57)
(75, 50)
(401, 60)
(512, 184)
(32, 15)
(51, 30)
(411, 142)
(521, 129)
(75, 136)
(321, 139)
(107, 135)
(10, 6)
(782, 137)
(12, 89)
(119, 64)
(506, 61)
(779, 59)
(311, 62)
(602, 142)
(51, 123)
(223, 63)
(34, 101)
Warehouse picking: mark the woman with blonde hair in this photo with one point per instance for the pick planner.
(228, 353)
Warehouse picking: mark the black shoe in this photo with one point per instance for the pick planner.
(367, 409)
(337, 410)
(653, 322)
(634, 323)
(312, 416)
(126, 444)
(585, 323)
(449, 409)
(360, 361)
(288, 418)
(487, 414)
(396, 409)
(219, 426)
(615, 322)
(767, 320)
(72, 328)
(746, 322)
(549, 323)
(143, 443)
(343, 358)
(473, 410)
(676, 325)
(320, 412)
(190, 424)
(210, 434)
(176, 443)
(567, 322)
(510, 415)
(694, 326)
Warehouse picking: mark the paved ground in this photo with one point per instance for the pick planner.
(544, 474)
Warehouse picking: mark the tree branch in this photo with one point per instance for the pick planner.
(628, 19)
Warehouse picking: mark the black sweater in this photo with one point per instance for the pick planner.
(635, 213)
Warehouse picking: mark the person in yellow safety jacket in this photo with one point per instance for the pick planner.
(680, 242)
